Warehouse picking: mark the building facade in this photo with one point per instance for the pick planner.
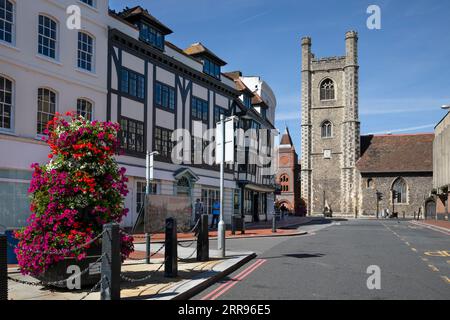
(45, 68)
(288, 176)
(330, 129)
(117, 67)
(400, 163)
(342, 171)
(155, 88)
(441, 168)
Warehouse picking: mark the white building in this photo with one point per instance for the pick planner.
(44, 68)
(120, 68)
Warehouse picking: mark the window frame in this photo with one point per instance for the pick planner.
(329, 124)
(404, 195)
(57, 33)
(170, 144)
(159, 93)
(92, 107)
(125, 147)
(13, 24)
(159, 37)
(40, 134)
(93, 53)
(13, 100)
(138, 76)
(93, 5)
(203, 104)
(324, 93)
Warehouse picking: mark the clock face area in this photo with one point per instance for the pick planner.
(284, 161)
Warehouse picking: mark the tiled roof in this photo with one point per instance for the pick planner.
(199, 49)
(396, 153)
(130, 14)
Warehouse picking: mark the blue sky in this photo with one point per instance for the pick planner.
(404, 67)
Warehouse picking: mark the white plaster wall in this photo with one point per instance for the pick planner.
(165, 119)
(199, 92)
(133, 63)
(165, 77)
(132, 109)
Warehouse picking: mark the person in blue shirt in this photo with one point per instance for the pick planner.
(215, 214)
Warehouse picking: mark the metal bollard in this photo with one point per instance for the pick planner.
(171, 254)
(147, 248)
(3, 269)
(274, 224)
(233, 225)
(203, 240)
(111, 263)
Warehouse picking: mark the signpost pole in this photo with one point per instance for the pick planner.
(221, 227)
(148, 178)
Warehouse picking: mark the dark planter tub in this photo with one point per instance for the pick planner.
(64, 269)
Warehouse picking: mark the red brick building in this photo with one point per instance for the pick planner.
(288, 176)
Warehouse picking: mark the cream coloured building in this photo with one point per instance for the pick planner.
(44, 68)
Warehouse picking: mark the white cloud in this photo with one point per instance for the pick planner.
(427, 126)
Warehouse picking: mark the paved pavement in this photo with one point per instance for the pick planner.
(331, 263)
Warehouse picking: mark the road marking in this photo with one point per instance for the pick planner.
(433, 268)
(432, 228)
(446, 279)
(442, 253)
(232, 282)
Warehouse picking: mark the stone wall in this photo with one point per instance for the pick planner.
(419, 187)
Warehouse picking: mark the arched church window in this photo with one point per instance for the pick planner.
(401, 191)
(327, 90)
(327, 129)
(284, 181)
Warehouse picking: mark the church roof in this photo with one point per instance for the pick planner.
(396, 153)
(286, 138)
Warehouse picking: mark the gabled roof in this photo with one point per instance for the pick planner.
(396, 153)
(240, 85)
(198, 49)
(258, 101)
(286, 138)
(136, 13)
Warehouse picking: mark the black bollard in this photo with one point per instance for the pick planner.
(233, 225)
(111, 263)
(3, 269)
(274, 224)
(171, 253)
(203, 240)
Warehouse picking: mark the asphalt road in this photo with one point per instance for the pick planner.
(331, 263)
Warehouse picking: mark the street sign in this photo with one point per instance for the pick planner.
(229, 141)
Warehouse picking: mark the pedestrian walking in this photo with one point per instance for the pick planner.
(198, 211)
(215, 214)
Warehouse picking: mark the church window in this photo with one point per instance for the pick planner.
(401, 191)
(327, 129)
(284, 182)
(327, 90)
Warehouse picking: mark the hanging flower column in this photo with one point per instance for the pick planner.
(74, 195)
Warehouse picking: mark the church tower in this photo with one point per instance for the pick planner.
(330, 129)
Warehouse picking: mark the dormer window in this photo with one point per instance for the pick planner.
(211, 68)
(247, 101)
(151, 36)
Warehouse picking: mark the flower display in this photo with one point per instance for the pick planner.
(79, 190)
